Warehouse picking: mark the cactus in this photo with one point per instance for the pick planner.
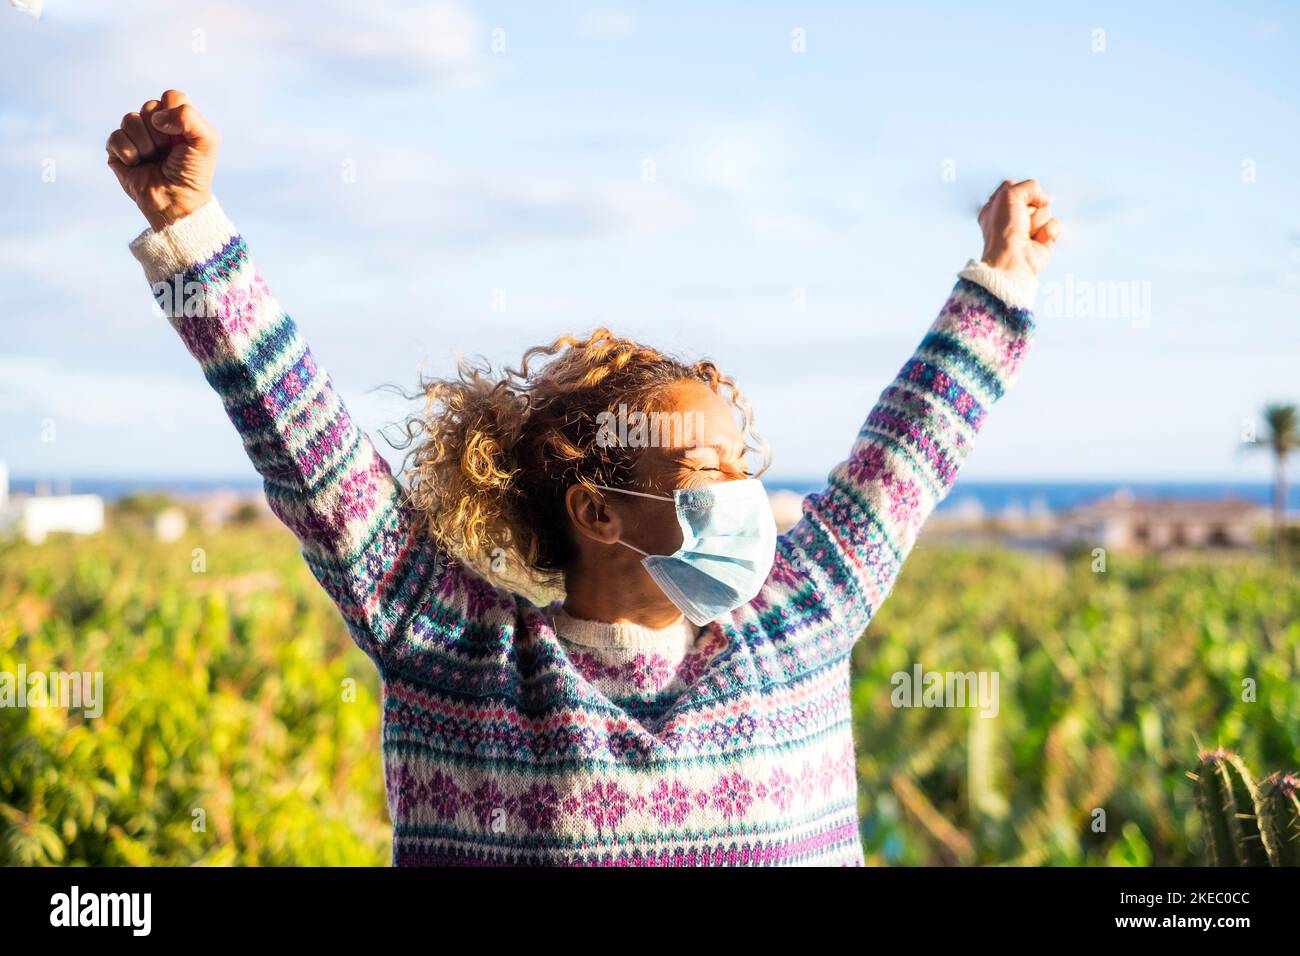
(1226, 795)
(1246, 824)
(1279, 814)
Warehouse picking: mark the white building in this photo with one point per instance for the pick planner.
(169, 524)
(35, 516)
(1123, 521)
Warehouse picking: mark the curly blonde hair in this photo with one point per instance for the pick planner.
(491, 455)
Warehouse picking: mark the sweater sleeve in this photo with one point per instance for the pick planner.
(322, 475)
(853, 536)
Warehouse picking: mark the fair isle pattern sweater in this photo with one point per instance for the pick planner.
(507, 743)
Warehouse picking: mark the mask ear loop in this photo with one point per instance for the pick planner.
(639, 494)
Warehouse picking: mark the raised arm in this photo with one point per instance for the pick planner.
(854, 536)
(322, 475)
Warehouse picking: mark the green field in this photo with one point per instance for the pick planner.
(241, 725)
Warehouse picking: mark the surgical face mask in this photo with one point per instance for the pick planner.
(728, 546)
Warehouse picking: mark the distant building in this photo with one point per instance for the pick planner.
(35, 516)
(226, 506)
(169, 524)
(968, 510)
(1122, 521)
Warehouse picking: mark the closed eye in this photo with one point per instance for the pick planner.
(729, 470)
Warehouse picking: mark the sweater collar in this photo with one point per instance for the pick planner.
(619, 634)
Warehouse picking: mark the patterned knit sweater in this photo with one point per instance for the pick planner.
(513, 734)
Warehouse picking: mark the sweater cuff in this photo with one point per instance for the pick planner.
(189, 241)
(1016, 289)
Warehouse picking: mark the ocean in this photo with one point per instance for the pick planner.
(991, 496)
(998, 496)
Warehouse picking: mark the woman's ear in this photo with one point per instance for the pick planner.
(591, 516)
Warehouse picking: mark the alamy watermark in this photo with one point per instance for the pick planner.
(624, 429)
(177, 297)
(131, 911)
(1072, 298)
(76, 690)
(921, 688)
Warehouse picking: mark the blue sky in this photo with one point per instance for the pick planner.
(846, 175)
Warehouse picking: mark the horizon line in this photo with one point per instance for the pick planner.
(773, 479)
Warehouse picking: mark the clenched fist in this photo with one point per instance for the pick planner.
(1019, 231)
(164, 157)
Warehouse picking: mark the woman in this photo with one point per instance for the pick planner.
(687, 701)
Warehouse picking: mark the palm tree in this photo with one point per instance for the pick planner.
(1283, 437)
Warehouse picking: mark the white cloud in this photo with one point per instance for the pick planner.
(737, 160)
(30, 7)
(775, 226)
(607, 23)
(408, 194)
(102, 398)
(441, 39)
(254, 43)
